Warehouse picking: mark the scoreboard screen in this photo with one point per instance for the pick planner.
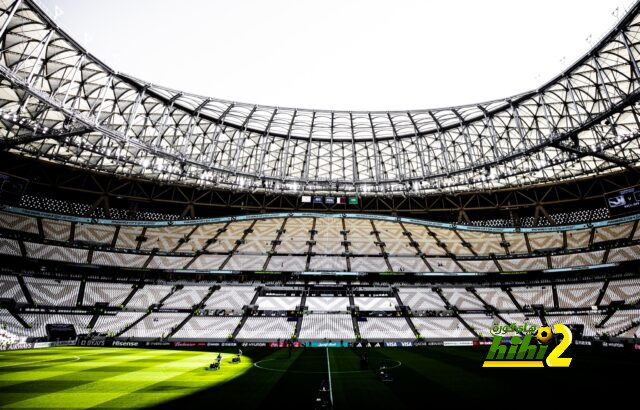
(627, 200)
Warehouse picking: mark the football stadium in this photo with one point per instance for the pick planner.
(160, 248)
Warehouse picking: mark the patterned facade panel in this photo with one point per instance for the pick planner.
(613, 232)
(56, 253)
(479, 265)
(94, 233)
(523, 264)
(246, 262)
(128, 260)
(166, 238)
(443, 265)
(56, 230)
(208, 262)
(127, 237)
(328, 263)
(287, 263)
(577, 259)
(368, 265)
(578, 239)
(407, 264)
(168, 262)
(517, 243)
(483, 243)
(545, 240)
(18, 223)
(629, 253)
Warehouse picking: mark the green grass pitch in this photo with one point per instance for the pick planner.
(74, 377)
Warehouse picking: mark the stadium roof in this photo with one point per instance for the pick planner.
(59, 102)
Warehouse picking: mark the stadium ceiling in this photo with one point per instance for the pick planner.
(58, 102)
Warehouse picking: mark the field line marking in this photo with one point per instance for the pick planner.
(329, 370)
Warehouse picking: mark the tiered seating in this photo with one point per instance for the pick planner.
(577, 259)
(231, 297)
(481, 323)
(497, 298)
(407, 264)
(578, 294)
(186, 297)
(517, 318)
(147, 296)
(155, 325)
(376, 303)
(578, 239)
(19, 223)
(207, 328)
(56, 230)
(327, 327)
(628, 253)
(589, 321)
(56, 253)
(444, 265)
(421, 299)
(328, 263)
(441, 328)
(368, 264)
(452, 241)
(523, 264)
(362, 242)
(296, 236)
(462, 299)
(128, 237)
(208, 262)
(9, 247)
(385, 328)
(246, 262)
(126, 260)
(625, 290)
(426, 243)
(10, 324)
(51, 292)
(396, 243)
(483, 243)
(328, 237)
(517, 243)
(278, 302)
(198, 238)
(112, 293)
(264, 329)
(327, 304)
(259, 241)
(115, 323)
(287, 263)
(38, 323)
(621, 320)
(168, 262)
(164, 238)
(102, 234)
(226, 241)
(534, 295)
(487, 265)
(610, 233)
(10, 289)
(545, 240)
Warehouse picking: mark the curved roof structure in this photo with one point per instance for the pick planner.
(59, 102)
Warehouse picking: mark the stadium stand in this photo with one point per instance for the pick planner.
(327, 327)
(266, 329)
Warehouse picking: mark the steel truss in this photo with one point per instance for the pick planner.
(59, 102)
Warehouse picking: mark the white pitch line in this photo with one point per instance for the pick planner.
(329, 370)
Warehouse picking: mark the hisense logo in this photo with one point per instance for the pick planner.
(523, 353)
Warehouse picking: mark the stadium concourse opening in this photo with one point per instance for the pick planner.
(163, 249)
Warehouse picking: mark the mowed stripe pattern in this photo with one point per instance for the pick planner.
(74, 377)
